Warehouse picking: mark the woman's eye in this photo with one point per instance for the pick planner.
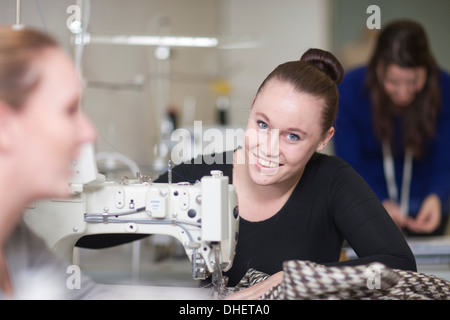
(392, 82)
(293, 137)
(262, 125)
(72, 109)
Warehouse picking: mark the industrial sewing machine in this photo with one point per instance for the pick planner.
(202, 216)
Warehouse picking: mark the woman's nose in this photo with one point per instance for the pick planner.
(87, 130)
(272, 145)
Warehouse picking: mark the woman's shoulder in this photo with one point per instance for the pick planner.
(327, 164)
(444, 75)
(444, 83)
(334, 175)
(444, 80)
(356, 75)
(325, 159)
(353, 91)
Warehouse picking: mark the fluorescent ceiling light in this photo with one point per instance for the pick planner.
(167, 41)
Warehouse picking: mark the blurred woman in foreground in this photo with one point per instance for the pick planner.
(41, 131)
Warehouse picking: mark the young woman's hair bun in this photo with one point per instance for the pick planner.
(326, 62)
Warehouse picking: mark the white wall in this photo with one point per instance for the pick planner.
(127, 118)
(286, 28)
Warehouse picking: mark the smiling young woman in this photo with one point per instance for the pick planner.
(294, 202)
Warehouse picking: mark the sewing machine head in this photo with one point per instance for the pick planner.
(202, 216)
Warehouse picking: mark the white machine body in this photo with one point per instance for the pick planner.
(202, 216)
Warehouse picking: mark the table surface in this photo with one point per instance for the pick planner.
(139, 292)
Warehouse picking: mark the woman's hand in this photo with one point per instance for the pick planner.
(395, 212)
(257, 290)
(429, 216)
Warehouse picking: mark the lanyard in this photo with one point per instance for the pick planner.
(389, 174)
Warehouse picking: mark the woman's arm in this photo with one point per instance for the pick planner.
(365, 224)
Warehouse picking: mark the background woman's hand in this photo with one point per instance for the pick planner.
(429, 216)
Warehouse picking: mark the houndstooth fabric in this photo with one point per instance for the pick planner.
(250, 278)
(307, 280)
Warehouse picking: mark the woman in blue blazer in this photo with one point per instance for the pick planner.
(393, 127)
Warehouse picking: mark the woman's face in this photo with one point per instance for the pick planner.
(283, 131)
(403, 84)
(51, 127)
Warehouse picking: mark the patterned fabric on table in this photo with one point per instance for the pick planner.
(307, 280)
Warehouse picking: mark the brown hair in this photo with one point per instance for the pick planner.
(405, 44)
(317, 73)
(18, 52)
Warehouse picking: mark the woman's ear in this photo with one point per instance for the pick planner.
(325, 139)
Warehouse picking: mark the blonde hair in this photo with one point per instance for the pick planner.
(19, 50)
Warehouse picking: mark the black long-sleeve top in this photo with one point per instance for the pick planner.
(331, 203)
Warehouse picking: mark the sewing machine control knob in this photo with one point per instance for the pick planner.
(192, 213)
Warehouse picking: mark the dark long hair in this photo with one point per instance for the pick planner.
(404, 43)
